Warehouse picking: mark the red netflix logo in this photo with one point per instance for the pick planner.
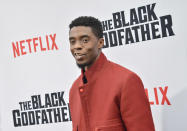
(162, 91)
(36, 44)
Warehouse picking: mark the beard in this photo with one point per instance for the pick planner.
(82, 66)
(87, 64)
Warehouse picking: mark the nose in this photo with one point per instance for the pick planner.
(77, 45)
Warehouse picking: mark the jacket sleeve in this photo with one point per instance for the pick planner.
(134, 106)
(70, 105)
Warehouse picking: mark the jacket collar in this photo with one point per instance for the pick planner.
(94, 68)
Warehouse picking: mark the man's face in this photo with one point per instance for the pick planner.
(84, 45)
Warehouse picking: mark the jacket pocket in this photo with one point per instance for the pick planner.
(110, 125)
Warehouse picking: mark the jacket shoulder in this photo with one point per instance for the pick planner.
(120, 69)
(122, 73)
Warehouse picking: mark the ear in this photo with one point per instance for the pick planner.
(100, 43)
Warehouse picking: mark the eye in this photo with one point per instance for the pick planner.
(85, 40)
(72, 42)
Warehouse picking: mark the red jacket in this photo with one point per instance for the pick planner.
(113, 99)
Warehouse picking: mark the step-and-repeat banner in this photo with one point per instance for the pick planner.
(37, 69)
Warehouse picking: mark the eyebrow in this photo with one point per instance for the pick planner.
(84, 36)
(70, 38)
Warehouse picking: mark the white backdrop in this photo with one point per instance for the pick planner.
(161, 63)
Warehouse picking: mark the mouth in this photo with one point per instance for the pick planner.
(79, 56)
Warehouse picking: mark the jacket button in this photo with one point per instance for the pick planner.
(81, 90)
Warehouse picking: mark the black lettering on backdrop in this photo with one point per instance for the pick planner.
(113, 38)
(142, 24)
(120, 36)
(166, 24)
(141, 14)
(42, 109)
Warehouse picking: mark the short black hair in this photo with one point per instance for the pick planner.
(89, 21)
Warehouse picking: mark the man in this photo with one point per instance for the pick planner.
(106, 96)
